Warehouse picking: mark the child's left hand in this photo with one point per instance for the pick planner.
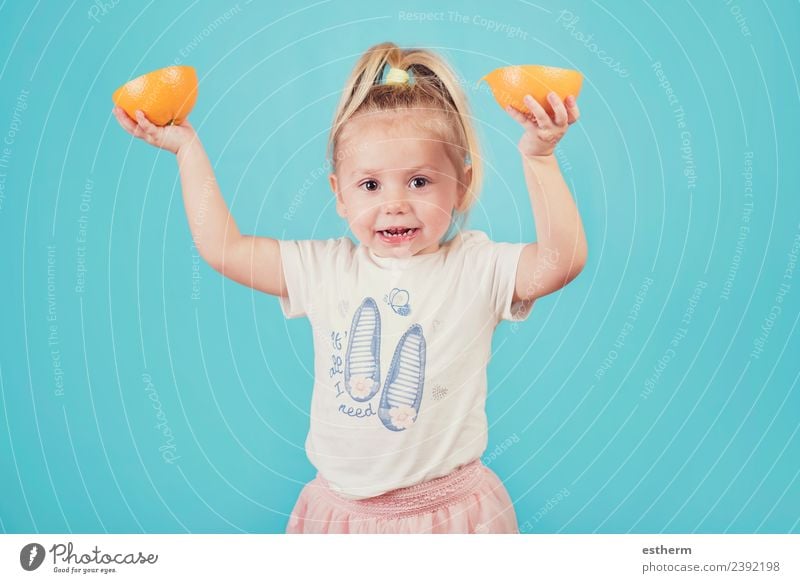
(542, 132)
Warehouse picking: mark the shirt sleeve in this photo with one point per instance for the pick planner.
(307, 268)
(507, 260)
(502, 260)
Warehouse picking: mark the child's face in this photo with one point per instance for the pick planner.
(390, 174)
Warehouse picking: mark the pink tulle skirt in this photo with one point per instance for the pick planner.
(471, 499)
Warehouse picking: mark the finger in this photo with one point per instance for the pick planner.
(572, 109)
(140, 132)
(559, 110)
(514, 113)
(124, 119)
(522, 118)
(542, 119)
(146, 124)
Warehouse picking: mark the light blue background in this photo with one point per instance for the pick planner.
(713, 448)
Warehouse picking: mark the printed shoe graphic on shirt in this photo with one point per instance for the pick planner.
(402, 392)
(362, 375)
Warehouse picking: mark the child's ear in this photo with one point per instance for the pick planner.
(340, 208)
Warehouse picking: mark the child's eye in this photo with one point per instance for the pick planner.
(365, 183)
(416, 181)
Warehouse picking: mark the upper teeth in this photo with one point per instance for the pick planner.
(398, 233)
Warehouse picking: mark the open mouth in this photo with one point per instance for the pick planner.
(398, 234)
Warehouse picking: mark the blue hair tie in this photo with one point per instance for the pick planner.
(394, 76)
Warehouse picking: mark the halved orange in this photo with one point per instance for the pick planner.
(510, 84)
(166, 96)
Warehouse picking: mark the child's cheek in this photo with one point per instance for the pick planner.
(362, 229)
(439, 219)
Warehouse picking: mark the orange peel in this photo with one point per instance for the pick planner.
(510, 84)
(166, 96)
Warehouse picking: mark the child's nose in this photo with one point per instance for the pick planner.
(396, 202)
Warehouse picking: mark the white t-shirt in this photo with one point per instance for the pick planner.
(401, 347)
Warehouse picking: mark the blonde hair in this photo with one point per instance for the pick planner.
(434, 90)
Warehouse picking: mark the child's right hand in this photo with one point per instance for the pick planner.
(170, 138)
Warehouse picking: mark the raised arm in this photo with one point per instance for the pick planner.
(561, 250)
(252, 261)
(249, 260)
